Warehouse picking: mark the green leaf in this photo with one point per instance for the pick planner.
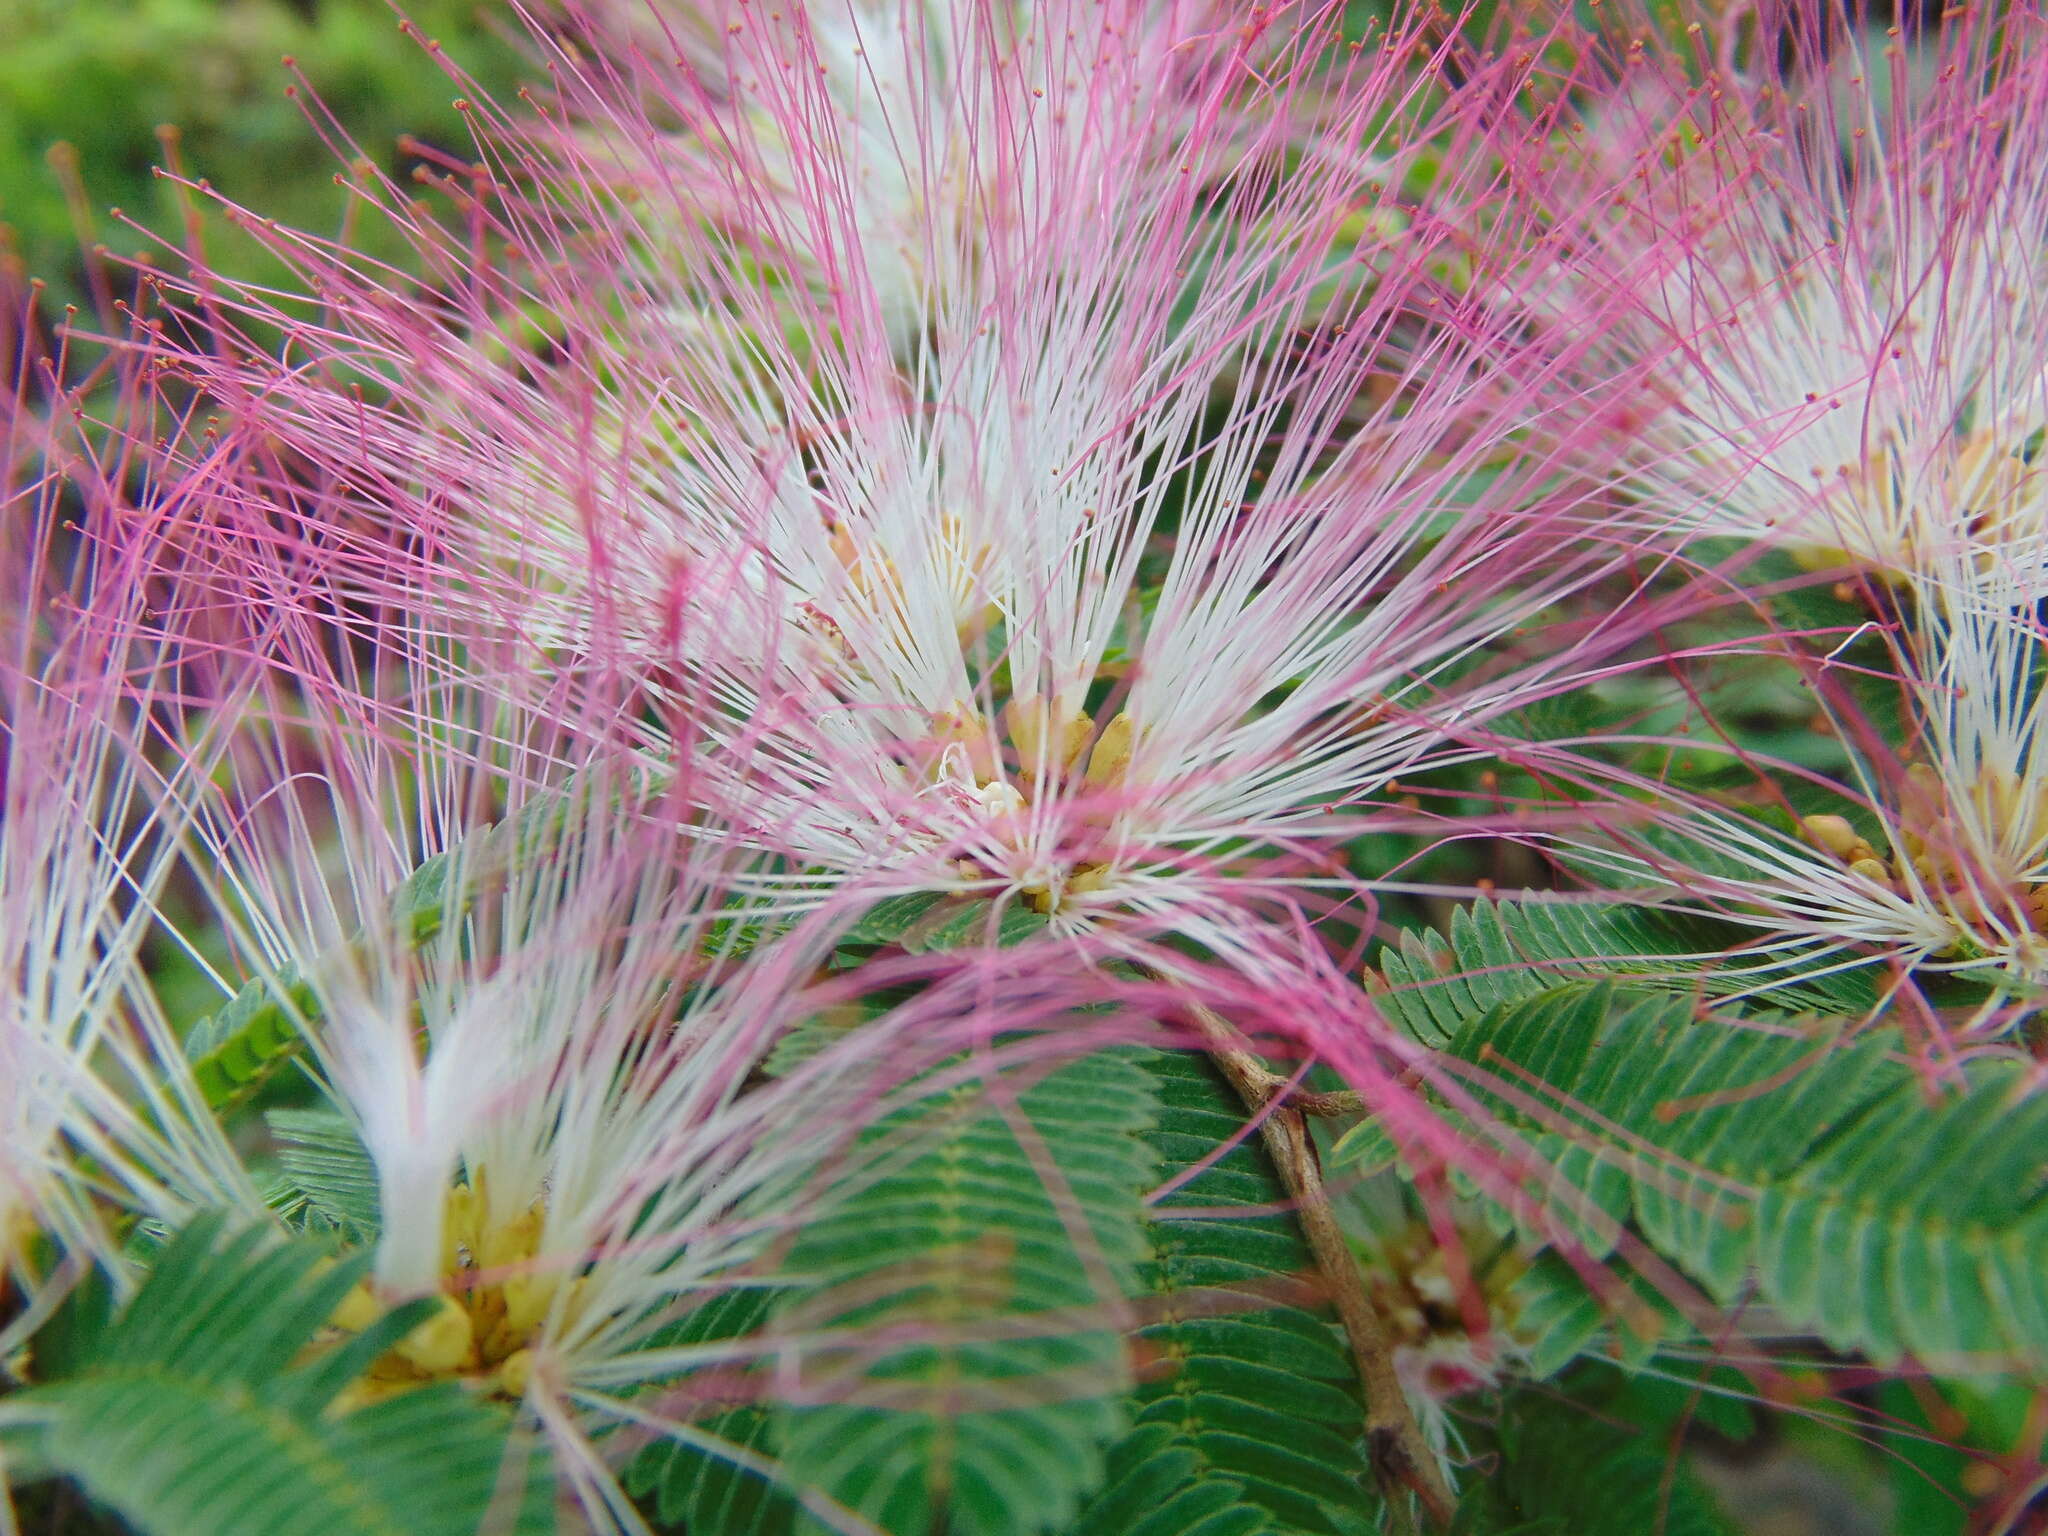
(887, 921)
(1565, 1471)
(1248, 1416)
(998, 1240)
(237, 1050)
(926, 921)
(195, 1412)
(328, 1172)
(693, 1489)
(1813, 1163)
(1558, 1317)
(1499, 951)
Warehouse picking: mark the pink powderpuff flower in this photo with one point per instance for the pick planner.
(1193, 517)
(1010, 103)
(1832, 254)
(531, 982)
(1839, 261)
(1935, 856)
(100, 1122)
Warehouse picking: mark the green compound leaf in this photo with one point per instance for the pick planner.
(1883, 1222)
(693, 1489)
(1248, 1417)
(193, 1412)
(330, 1182)
(237, 1050)
(1560, 1319)
(1560, 1469)
(925, 921)
(1000, 1243)
(1499, 951)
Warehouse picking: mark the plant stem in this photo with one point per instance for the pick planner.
(1400, 1456)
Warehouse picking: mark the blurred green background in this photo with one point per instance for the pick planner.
(90, 82)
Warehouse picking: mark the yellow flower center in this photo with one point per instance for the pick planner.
(1049, 755)
(488, 1313)
(1931, 856)
(1900, 523)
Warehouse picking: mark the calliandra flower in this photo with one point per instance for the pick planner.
(1836, 250)
(529, 981)
(1934, 854)
(1193, 517)
(99, 1121)
(901, 143)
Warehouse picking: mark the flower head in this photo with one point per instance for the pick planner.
(890, 148)
(1835, 255)
(1185, 517)
(1934, 852)
(529, 979)
(1828, 256)
(100, 1122)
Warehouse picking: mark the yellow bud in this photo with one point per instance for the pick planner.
(1074, 740)
(527, 1297)
(440, 1345)
(1834, 833)
(511, 1243)
(1027, 716)
(1820, 557)
(515, 1372)
(1112, 754)
(1923, 780)
(1088, 879)
(1871, 869)
(358, 1309)
(459, 1216)
(966, 725)
(1024, 718)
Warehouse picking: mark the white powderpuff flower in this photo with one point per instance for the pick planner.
(1195, 506)
(1835, 260)
(529, 977)
(101, 1122)
(947, 121)
(1181, 529)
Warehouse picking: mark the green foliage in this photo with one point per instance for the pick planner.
(999, 1238)
(194, 1411)
(925, 921)
(697, 1490)
(239, 1049)
(1560, 1469)
(1560, 1318)
(1812, 1163)
(1502, 951)
(101, 75)
(330, 1181)
(1248, 1418)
